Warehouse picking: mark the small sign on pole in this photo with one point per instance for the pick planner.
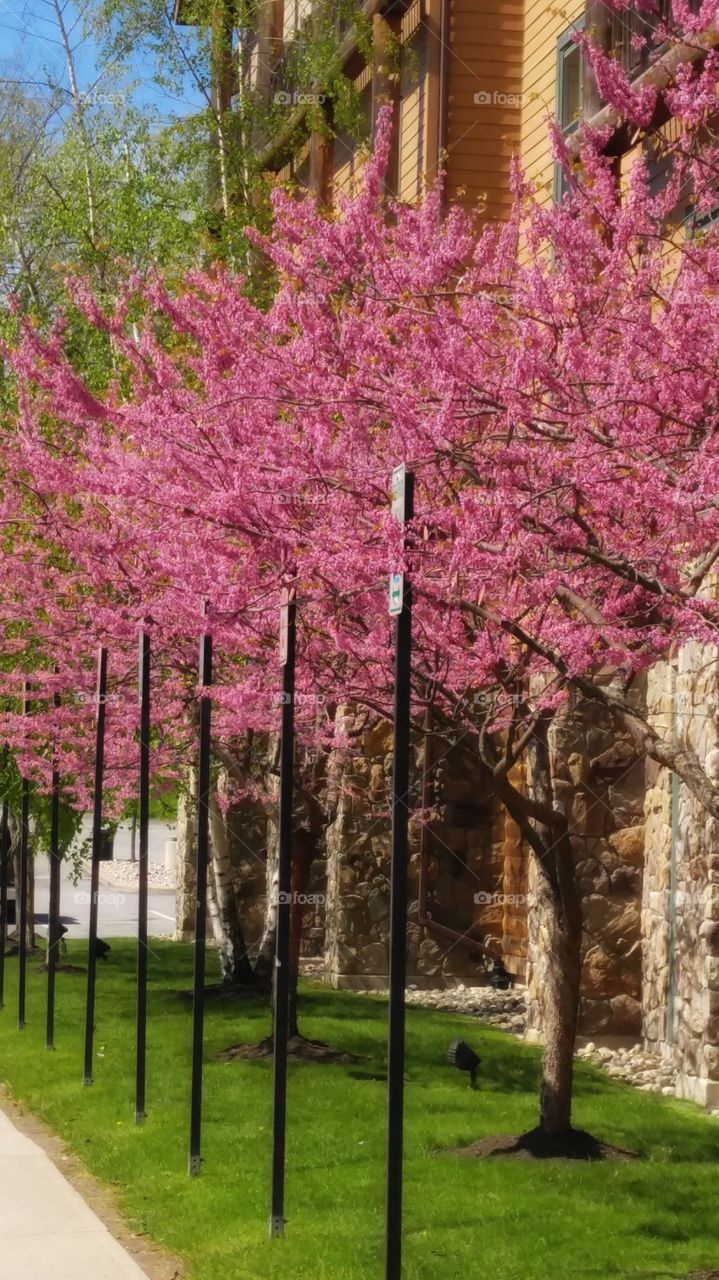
(286, 602)
(396, 594)
(401, 493)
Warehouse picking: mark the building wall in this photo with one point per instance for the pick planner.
(413, 103)
(599, 785)
(465, 868)
(484, 115)
(543, 24)
(680, 907)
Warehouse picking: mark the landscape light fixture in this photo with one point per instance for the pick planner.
(499, 979)
(460, 1055)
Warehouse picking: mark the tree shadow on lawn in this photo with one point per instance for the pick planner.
(507, 1065)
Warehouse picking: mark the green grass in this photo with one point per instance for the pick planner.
(494, 1220)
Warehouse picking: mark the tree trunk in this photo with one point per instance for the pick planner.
(30, 897)
(265, 963)
(186, 893)
(234, 961)
(560, 923)
(560, 994)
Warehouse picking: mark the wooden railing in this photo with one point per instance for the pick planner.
(630, 33)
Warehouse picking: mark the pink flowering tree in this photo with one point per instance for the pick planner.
(553, 382)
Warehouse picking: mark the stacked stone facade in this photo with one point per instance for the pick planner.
(680, 905)
(599, 785)
(456, 874)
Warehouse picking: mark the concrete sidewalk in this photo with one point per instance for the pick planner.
(46, 1228)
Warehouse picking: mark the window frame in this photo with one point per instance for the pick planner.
(566, 44)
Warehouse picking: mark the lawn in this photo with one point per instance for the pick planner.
(489, 1220)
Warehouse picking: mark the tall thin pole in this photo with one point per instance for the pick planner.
(96, 851)
(24, 853)
(203, 832)
(141, 1034)
(53, 934)
(401, 609)
(4, 875)
(288, 640)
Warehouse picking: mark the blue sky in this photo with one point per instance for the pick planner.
(31, 50)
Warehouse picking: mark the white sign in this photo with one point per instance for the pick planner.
(399, 492)
(396, 594)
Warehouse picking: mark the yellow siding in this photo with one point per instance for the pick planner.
(543, 26)
(346, 153)
(413, 104)
(484, 103)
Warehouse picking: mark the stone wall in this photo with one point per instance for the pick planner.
(464, 868)
(680, 909)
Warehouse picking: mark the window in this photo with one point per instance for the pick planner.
(696, 223)
(570, 92)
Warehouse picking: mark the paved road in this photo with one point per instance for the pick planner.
(117, 907)
(46, 1228)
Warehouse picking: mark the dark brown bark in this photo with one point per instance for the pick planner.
(561, 1005)
(560, 920)
(30, 897)
(558, 916)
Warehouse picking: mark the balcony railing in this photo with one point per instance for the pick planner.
(631, 34)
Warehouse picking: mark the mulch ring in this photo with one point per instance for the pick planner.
(577, 1144)
(298, 1050)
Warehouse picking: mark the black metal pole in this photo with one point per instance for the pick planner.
(203, 831)
(288, 635)
(24, 850)
(53, 933)
(141, 1035)
(401, 608)
(4, 875)
(96, 850)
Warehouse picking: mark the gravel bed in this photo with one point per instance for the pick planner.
(634, 1065)
(506, 1010)
(126, 875)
